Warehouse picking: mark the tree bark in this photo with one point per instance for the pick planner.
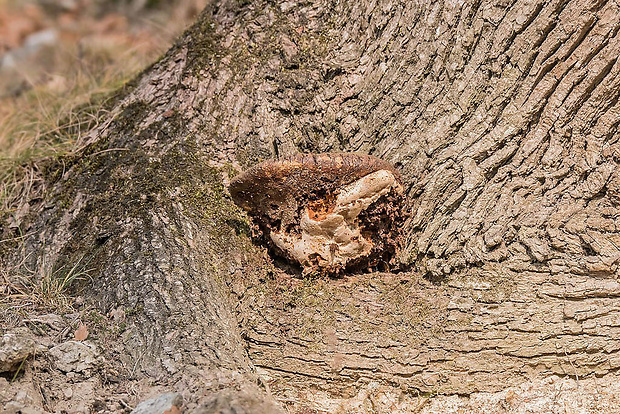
(503, 120)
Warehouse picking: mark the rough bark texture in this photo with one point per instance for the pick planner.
(502, 119)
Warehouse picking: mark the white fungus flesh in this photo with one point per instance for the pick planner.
(334, 238)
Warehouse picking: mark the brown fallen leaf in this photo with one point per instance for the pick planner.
(173, 410)
(81, 333)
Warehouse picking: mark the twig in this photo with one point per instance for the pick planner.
(421, 405)
(124, 404)
(108, 150)
(19, 369)
(17, 238)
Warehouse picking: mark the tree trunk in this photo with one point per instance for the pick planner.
(502, 119)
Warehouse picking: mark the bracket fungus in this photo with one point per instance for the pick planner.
(327, 212)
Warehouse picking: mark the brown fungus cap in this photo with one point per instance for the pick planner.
(327, 212)
(301, 175)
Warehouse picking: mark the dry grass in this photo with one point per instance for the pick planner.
(57, 93)
(45, 123)
(51, 287)
(46, 288)
(51, 117)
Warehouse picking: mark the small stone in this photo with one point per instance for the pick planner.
(75, 356)
(16, 346)
(68, 392)
(158, 405)
(14, 400)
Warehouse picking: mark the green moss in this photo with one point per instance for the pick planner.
(205, 44)
(138, 182)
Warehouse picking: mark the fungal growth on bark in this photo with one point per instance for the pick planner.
(326, 212)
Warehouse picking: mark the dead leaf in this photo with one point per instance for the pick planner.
(173, 410)
(81, 333)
